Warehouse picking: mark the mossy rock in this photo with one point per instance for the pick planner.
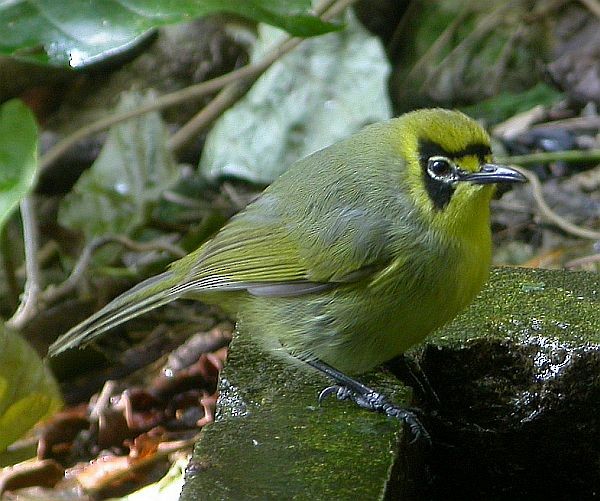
(517, 377)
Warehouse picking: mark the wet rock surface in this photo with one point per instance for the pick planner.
(518, 382)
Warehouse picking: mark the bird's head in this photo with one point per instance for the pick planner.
(449, 169)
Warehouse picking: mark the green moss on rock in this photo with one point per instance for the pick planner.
(273, 441)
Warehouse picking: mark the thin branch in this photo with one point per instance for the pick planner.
(165, 101)
(29, 305)
(54, 293)
(573, 123)
(593, 6)
(550, 215)
(583, 261)
(553, 156)
(33, 301)
(233, 196)
(226, 98)
(221, 102)
(230, 94)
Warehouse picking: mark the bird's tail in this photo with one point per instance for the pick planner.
(147, 295)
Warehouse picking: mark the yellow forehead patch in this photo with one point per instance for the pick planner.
(471, 163)
(452, 130)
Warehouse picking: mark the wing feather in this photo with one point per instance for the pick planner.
(281, 244)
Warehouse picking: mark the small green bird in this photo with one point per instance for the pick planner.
(354, 254)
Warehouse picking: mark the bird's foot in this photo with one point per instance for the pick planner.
(374, 401)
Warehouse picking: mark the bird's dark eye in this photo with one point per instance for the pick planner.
(440, 168)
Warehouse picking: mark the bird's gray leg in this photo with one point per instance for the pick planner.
(347, 388)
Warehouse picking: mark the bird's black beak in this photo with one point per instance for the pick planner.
(491, 173)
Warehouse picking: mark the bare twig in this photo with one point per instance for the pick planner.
(179, 199)
(54, 293)
(233, 196)
(29, 304)
(165, 101)
(227, 97)
(231, 93)
(155, 245)
(573, 123)
(553, 156)
(32, 302)
(223, 100)
(583, 261)
(509, 206)
(593, 6)
(550, 215)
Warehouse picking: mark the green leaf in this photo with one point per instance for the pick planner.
(508, 104)
(18, 155)
(75, 33)
(322, 92)
(119, 192)
(28, 392)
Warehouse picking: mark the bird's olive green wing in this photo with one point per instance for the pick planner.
(277, 254)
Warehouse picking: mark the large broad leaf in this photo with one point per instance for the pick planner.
(118, 193)
(77, 32)
(18, 155)
(322, 92)
(28, 392)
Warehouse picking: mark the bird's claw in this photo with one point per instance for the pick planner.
(417, 430)
(377, 402)
(341, 392)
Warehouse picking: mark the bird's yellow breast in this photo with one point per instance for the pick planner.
(432, 288)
